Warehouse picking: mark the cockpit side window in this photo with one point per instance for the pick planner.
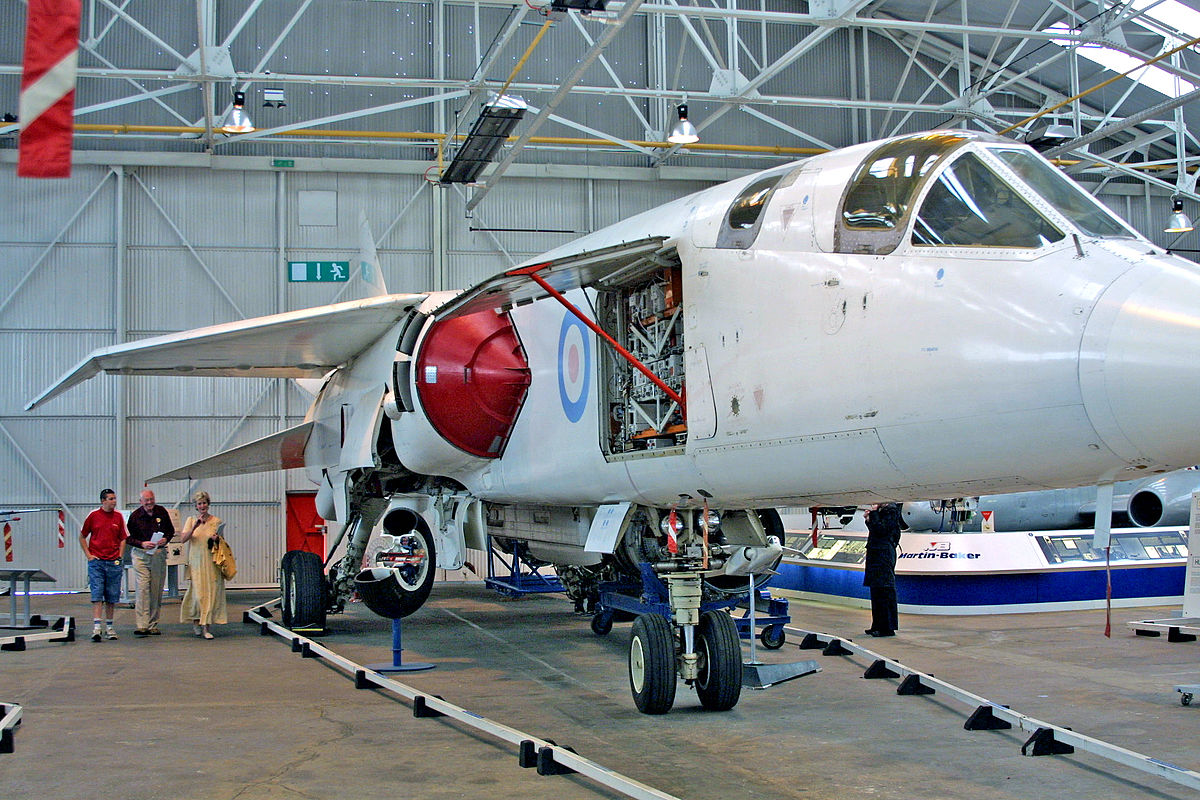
(1085, 211)
(744, 217)
(878, 199)
(971, 206)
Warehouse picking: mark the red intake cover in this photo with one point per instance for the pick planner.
(471, 377)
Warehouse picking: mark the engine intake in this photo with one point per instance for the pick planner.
(472, 376)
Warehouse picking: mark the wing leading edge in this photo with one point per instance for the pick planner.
(297, 344)
(282, 450)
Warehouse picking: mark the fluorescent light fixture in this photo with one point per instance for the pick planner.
(583, 6)
(1178, 222)
(1047, 136)
(490, 130)
(238, 121)
(683, 132)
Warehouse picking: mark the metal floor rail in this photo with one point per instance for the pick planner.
(53, 629)
(10, 718)
(548, 757)
(1046, 738)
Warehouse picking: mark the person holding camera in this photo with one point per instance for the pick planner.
(879, 573)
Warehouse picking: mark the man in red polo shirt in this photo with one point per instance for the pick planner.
(103, 541)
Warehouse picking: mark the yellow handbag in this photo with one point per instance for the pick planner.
(222, 556)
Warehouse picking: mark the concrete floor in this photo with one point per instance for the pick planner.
(244, 717)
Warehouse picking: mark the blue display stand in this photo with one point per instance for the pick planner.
(398, 664)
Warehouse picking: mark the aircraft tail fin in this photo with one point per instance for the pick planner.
(368, 258)
(282, 450)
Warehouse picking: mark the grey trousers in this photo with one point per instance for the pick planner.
(151, 572)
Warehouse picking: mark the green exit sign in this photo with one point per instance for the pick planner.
(283, 163)
(318, 271)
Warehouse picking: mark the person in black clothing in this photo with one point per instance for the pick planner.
(883, 535)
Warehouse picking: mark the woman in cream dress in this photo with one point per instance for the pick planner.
(204, 602)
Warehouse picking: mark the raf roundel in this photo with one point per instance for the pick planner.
(574, 367)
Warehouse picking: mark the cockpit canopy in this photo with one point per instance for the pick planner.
(958, 195)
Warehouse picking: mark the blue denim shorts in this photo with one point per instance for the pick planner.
(104, 579)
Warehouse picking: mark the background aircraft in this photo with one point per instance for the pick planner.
(633, 405)
(1149, 502)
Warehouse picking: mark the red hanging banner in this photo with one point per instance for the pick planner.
(47, 104)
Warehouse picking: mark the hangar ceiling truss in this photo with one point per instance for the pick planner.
(765, 80)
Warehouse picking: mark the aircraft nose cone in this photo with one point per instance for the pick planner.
(1139, 368)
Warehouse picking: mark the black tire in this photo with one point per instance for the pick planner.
(719, 682)
(652, 664)
(304, 598)
(285, 587)
(602, 623)
(413, 581)
(772, 637)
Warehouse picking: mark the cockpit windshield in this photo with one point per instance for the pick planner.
(971, 206)
(1091, 217)
(883, 187)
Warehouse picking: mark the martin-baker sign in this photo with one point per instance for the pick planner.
(967, 552)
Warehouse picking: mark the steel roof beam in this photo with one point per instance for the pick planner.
(575, 76)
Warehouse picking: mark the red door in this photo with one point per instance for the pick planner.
(305, 530)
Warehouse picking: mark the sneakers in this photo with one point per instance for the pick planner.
(154, 631)
(208, 635)
(95, 633)
(197, 630)
(109, 634)
(141, 632)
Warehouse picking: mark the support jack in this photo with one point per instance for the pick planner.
(756, 674)
(760, 676)
(398, 664)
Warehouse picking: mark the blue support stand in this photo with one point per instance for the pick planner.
(523, 577)
(397, 664)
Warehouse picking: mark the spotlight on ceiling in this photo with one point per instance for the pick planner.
(1178, 222)
(273, 98)
(683, 131)
(238, 121)
(1047, 136)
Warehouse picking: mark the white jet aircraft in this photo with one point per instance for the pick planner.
(1146, 503)
(934, 315)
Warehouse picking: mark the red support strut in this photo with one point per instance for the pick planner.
(625, 354)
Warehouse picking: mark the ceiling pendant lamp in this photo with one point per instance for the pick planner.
(238, 121)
